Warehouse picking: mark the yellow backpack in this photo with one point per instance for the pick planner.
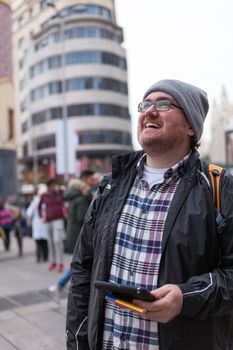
(215, 172)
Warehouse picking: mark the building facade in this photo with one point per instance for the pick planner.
(71, 86)
(8, 184)
(221, 144)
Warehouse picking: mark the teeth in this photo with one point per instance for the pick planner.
(152, 125)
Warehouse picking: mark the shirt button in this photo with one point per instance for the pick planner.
(131, 273)
(144, 211)
(137, 240)
(123, 337)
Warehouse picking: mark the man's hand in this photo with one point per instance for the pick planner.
(168, 304)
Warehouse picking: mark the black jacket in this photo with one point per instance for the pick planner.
(196, 255)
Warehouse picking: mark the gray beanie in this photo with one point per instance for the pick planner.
(191, 99)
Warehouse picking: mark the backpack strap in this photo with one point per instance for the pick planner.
(215, 172)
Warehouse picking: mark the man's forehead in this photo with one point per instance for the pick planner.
(158, 95)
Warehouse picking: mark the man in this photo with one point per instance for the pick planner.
(51, 211)
(153, 225)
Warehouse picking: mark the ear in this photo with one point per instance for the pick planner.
(190, 131)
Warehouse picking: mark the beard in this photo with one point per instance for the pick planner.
(163, 143)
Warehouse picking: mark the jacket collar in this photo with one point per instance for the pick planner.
(122, 164)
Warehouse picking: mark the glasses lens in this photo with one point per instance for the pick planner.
(163, 105)
(160, 105)
(144, 105)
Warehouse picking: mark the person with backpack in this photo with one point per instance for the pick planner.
(154, 225)
(6, 224)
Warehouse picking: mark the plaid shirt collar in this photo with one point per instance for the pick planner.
(173, 173)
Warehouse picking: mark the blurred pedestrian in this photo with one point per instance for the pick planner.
(51, 211)
(39, 229)
(15, 204)
(79, 196)
(6, 224)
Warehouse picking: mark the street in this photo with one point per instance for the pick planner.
(29, 318)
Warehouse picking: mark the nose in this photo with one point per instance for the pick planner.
(150, 110)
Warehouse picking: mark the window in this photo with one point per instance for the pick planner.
(48, 114)
(22, 84)
(49, 39)
(77, 32)
(87, 9)
(24, 127)
(30, 12)
(86, 57)
(56, 113)
(23, 105)
(98, 109)
(82, 57)
(20, 43)
(74, 84)
(104, 136)
(44, 142)
(42, 66)
(55, 87)
(25, 149)
(79, 110)
(11, 131)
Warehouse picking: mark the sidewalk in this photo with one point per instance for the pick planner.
(29, 318)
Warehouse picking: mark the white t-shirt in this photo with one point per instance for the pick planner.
(153, 176)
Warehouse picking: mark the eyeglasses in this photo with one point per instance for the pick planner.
(160, 105)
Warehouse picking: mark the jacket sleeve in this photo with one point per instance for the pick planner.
(78, 295)
(211, 294)
(81, 266)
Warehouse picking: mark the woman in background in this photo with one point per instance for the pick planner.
(39, 231)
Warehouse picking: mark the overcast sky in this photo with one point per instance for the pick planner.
(190, 40)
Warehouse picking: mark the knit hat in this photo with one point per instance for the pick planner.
(191, 99)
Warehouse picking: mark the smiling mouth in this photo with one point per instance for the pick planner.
(152, 125)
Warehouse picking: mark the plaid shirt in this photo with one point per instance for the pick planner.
(136, 257)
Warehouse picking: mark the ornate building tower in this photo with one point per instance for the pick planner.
(71, 86)
(7, 129)
(221, 147)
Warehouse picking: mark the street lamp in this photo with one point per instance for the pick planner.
(63, 88)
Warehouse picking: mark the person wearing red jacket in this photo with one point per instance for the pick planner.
(51, 211)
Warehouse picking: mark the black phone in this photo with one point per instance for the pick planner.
(124, 291)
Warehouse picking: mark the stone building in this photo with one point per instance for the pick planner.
(8, 183)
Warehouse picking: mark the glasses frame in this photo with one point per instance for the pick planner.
(155, 105)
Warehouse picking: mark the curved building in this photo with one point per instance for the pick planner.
(8, 184)
(73, 93)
